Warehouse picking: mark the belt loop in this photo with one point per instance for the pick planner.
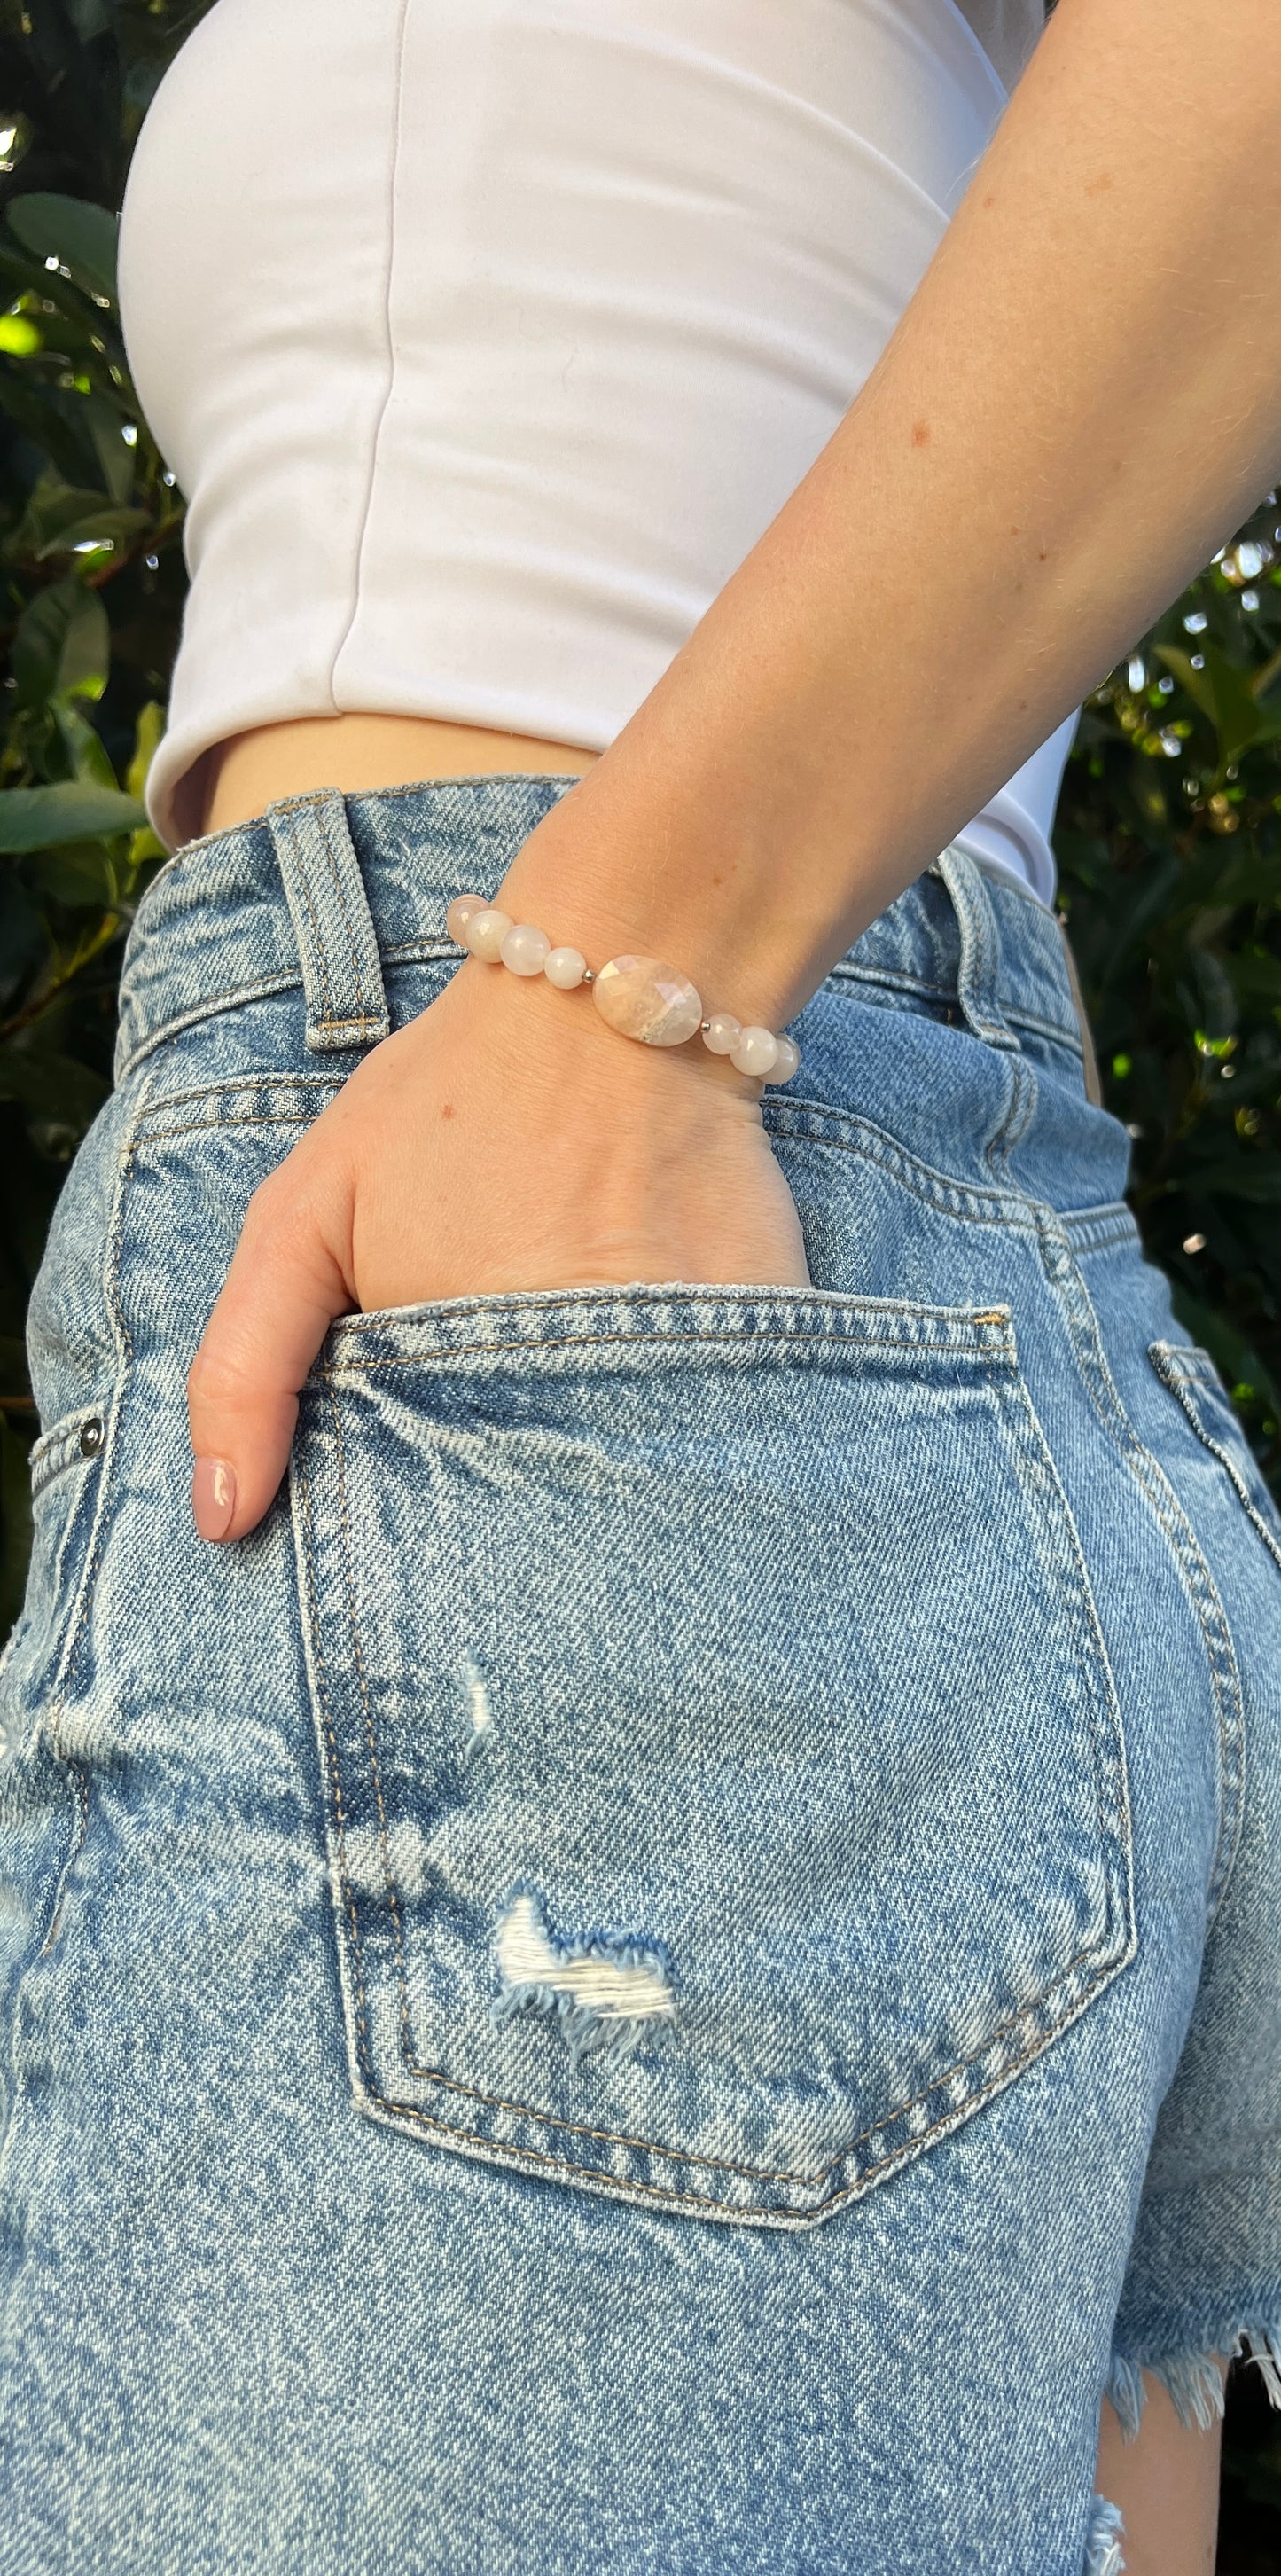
(979, 970)
(341, 974)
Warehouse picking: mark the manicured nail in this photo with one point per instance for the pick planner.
(213, 1496)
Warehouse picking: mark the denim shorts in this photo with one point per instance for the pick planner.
(674, 1966)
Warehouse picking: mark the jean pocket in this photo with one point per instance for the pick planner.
(726, 1794)
(1190, 1374)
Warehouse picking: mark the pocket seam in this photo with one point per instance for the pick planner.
(997, 1345)
(1171, 1362)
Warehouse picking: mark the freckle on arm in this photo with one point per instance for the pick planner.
(920, 433)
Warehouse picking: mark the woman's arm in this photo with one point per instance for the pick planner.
(1081, 401)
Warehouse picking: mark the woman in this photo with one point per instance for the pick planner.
(663, 1958)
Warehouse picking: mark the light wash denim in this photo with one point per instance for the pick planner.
(675, 1965)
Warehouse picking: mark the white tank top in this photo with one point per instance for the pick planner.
(484, 337)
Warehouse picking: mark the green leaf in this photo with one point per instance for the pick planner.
(1225, 694)
(62, 647)
(51, 418)
(117, 461)
(81, 236)
(19, 336)
(46, 818)
(23, 937)
(90, 18)
(54, 1087)
(1257, 977)
(52, 505)
(102, 527)
(1196, 683)
(146, 742)
(1215, 993)
(79, 876)
(86, 751)
(1238, 717)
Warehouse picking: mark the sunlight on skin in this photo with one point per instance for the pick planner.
(1166, 2483)
(361, 753)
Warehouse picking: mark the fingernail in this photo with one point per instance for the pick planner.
(213, 1496)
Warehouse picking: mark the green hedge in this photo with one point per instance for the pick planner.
(1169, 834)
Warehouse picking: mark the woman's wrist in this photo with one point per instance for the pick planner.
(553, 1043)
(606, 875)
(641, 997)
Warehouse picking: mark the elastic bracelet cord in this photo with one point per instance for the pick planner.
(640, 997)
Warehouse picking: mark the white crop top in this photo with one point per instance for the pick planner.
(484, 337)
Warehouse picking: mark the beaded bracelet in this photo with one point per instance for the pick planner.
(639, 996)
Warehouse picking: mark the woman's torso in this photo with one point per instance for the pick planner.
(485, 338)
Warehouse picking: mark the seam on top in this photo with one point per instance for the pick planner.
(398, 95)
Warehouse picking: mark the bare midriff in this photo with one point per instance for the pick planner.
(356, 753)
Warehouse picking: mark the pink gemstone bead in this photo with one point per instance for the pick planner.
(525, 949)
(787, 1060)
(722, 1032)
(565, 968)
(486, 931)
(460, 913)
(753, 1052)
(642, 998)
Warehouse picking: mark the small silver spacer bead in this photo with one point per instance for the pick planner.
(704, 1026)
(588, 977)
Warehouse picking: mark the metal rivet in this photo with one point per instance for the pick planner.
(91, 1436)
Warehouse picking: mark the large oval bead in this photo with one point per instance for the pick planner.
(642, 998)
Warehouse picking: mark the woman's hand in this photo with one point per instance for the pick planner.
(505, 1140)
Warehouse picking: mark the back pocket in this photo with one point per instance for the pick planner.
(726, 1791)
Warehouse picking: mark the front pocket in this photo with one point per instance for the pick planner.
(726, 1791)
(1190, 1373)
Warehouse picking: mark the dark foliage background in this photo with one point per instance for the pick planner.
(1169, 834)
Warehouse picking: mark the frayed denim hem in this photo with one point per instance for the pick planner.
(1193, 2379)
(1103, 2540)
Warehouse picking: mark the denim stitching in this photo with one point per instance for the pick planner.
(51, 1465)
(977, 924)
(1019, 1110)
(217, 1126)
(1176, 1379)
(615, 2183)
(366, 1705)
(333, 1022)
(768, 2173)
(625, 1340)
(872, 1145)
(324, 819)
(1181, 1538)
(335, 1775)
(296, 846)
(1089, 1616)
(287, 980)
(368, 1015)
(232, 1087)
(78, 1621)
(844, 972)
